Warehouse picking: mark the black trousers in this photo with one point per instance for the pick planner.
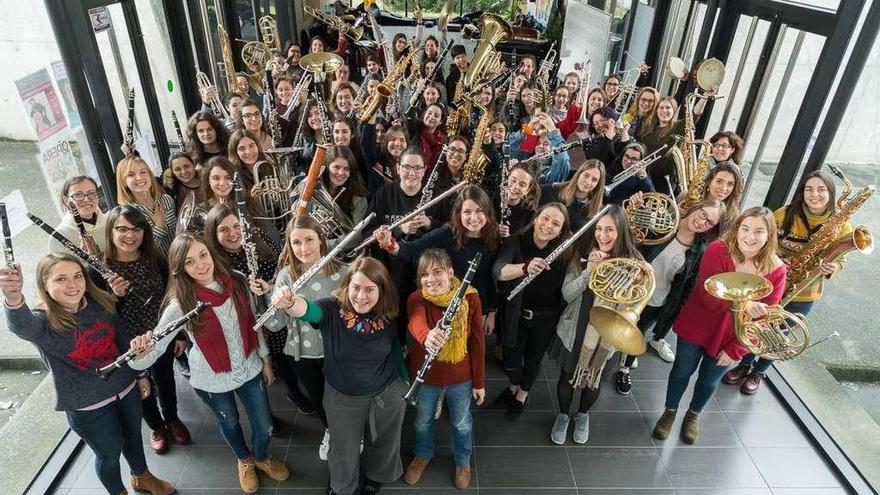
(163, 394)
(522, 362)
(311, 374)
(646, 319)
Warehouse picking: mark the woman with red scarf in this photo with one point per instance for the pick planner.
(228, 357)
(429, 134)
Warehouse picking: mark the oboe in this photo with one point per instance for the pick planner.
(129, 125)
(558, 251)
(504, 199)
(7, 237)
(158, 335)
(303, 279)
(551, 152)
(326, 125)
(428, 190)
(89, 259)
(247, 237)
(177, 129)
(445, 324)
(80, 225)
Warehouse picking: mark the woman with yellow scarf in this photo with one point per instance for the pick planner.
(458, 372)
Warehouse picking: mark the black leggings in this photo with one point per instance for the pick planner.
(648, 317)
(310, 372)
(164, 393)
(522, 362)
(565, 394)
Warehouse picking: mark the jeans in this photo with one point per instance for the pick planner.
(109, 431)
(458, 400)
(254, 398)
(688, 358)
(761, 365)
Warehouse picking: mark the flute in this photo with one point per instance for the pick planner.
(409, 216)
(303, 279)
(89, 259)
(158, 335)
(7, 237)
(445, 324)
(558, 251)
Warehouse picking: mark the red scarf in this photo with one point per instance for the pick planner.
(210, 338)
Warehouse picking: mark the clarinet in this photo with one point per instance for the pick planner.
(429, 78)
(303, 279)
(7, 237)
(89, 259)
(558, 251)
(129, 125)
(77, 219)
(428, 190)
(504, 199)
(297, 138)
(358, 98)
(247, 237)
(552, 151)
(158, 335)
(177, 129)
(326, 129)
(445, 324)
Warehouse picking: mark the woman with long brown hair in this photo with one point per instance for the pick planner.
(206, 137)
(582, 195)
(707, 343)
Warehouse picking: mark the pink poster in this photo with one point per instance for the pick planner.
(41, 104)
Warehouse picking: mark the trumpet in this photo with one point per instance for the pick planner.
(302, 85)
(214, 102)
(636, 168)
(584, 92)
(355, 33)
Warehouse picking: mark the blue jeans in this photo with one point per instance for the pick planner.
(109, 431)
(255, 400)
(458, 400)
(688, 358)
(761, 365)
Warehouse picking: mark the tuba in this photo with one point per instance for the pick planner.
(495, 30)
(335, 223)
(780, 335)
(623, 289)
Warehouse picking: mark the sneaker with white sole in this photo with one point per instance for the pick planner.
(664, 350)
(624, 382)
(581, 428)
(560, 429)
(324, 449)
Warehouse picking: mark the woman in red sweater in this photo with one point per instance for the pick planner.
(707, 343)
(457, 374)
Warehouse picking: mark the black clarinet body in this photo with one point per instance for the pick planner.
(7, 237)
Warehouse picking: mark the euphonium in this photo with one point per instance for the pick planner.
(495, 30)
(779, 335)
(269, 32)
(826, 245)
(274, 190)
(385, 88)
(622, 289)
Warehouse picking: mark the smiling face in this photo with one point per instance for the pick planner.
(88, 192)
(396, 144)
(527, 68)
(314, 118)
(497, 132)
(373, 68)
(560, 98)
(284, 91)
(341, 134)
(587, 180)
(432, 118)
(548, 225)
(430, 48)
(431, 95)
(66, 285)
(752, 236)
(816, 196)
(543, 145)
(199, 264)
(665, 112)
(248, 151)
(251, 118)
(183, 169)
(703, 219)
(344, 100)
(437, 280)
(316, 46)
(722, 185)
(571, 83)
(456, 154)
(305, 245)
(220, 182)
(606, 233)
(294, 53)
(518, 183)
(241, 85)
(595, 101)
(339, 171)
(363, 293)
(127, 238)
(722, 149)
(229, 234)
(399, 44)
(139, 178)
(611, 86)
(411, 170)
(630, 157)
(342, 73)
(461, 61)
(646, 102)
(472, 216)
(205, 132)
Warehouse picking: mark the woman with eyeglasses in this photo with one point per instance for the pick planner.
(642, 109)
(251, 119)
(639, 182)
(707, 344)
(675, 264)
(726, 145)
(81, 192)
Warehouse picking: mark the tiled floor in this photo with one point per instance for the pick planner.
(747, 446)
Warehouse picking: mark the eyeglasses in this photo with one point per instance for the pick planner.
(122, 230)
(80, 196)
(721, 145)
(646, 100)
(612, 84)
(412, 169)
(704, 217)
(250, 115)
(456, 151)
(630, 158)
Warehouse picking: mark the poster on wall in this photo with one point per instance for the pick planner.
(100, 19)
(58, 164)
(41, 104)
(541, 10)
(63, 83)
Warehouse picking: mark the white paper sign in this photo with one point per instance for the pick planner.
(16, 212)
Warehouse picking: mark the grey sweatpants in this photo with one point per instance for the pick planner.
(347, 415)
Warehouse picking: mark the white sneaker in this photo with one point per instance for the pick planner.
(324, 449)
(664, 350)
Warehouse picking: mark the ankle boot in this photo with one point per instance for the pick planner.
(146, 482)
(273, 469)
(247, 476)
(664, 424)
(690, 428)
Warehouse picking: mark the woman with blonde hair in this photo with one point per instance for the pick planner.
(136, 185)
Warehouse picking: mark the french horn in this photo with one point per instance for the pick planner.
(622, 289)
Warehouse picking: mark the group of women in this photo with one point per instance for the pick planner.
(355, 333)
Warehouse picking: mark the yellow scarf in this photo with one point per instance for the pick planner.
(455, 349)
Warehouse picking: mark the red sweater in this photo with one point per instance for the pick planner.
(423, 316)
(707, 321)
(566, 127)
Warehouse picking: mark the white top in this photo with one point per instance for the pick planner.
(68, 229)
(666, 265)
(202, 377)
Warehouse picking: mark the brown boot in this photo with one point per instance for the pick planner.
(463, 476)
(159, 440)
(415, 469)
(146, 482)
(178, 431)
(690, 428)
(247, 476)
(751, 383)
(273, 469)
(664, 425)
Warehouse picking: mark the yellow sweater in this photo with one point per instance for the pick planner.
(792, 244)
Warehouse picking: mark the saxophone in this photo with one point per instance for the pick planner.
(386, 88)
(685, 154)
(475, 168)
(461, 110)
(697, 182)
(827, 245)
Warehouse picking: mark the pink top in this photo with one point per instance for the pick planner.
(707, 321)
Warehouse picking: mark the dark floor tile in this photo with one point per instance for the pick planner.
(623, 429)
(527, 491)
(168, 467)
(540, 398)
(793, 467)
(724, 491)
(502, 467)
(217, 467)
(617, 468)
(710, 468)
(306, 431)
(494, 371)
(84, 459)
(306, 469)
(715, 431)
(84, 491)
(531, 429)
(609, 401)
(651, 367)
(625, 491)
(768, 429)
(651, 396)
(409, 490)
(729, 398)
